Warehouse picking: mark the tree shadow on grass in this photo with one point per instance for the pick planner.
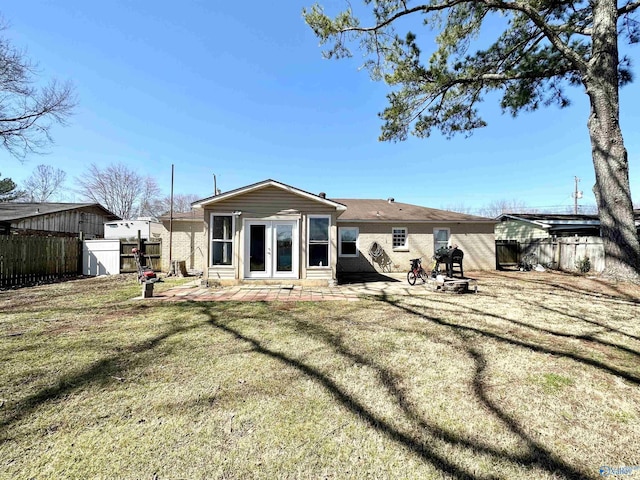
(551, 333)
(610, 290)
(537, 455)
(103, 370)
(519, 342)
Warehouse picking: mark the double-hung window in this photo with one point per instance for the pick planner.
(348, 241)
(399, 238)
(318, 241)
(221, 239)
(440, 238)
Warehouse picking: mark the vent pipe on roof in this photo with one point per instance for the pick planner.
(322, 195)
(391, 199)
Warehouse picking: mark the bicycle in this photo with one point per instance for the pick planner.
(418, 272)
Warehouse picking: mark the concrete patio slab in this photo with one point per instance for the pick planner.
(391, 284)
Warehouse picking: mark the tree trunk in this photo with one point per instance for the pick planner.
(612, 190)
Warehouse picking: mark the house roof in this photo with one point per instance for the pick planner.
(559, 221)
(12, 211)
(377, 210)
(190, 216)
(264, 184)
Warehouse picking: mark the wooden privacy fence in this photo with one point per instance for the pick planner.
(151, 250)
(29, 260)
(562, 253)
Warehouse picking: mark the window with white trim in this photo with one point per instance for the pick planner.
(222, 227)
(399, 238)
(440, 238)
(348, 241)
(318, 240)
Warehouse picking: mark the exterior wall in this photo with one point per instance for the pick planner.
(518, 230)
(475, 240)
(271, 203)
(155, 230)
(69, 222)
(188, 244)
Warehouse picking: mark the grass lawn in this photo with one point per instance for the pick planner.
(535, 377)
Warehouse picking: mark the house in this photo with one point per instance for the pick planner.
(58, 219)
(147, 228)
(524, 227)
(558, 241)
(271, 231)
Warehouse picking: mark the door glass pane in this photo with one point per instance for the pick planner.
(257, 261)
(284, 242)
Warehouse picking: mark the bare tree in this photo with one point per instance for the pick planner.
(498, 207)
(27, 112)
(45, 182)
(181, 203)
(458, 207)
(119, 189)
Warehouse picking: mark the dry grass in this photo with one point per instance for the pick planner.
(536, 376)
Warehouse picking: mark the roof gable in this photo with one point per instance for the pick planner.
(265, 184)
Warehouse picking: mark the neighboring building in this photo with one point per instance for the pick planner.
(59, 219)
(272, 231)
(557, 241)
(525, 227)
(146, 227)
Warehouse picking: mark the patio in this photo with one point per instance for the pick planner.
(349, 289)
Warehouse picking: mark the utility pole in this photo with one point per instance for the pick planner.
(576, 195)
(171, 269)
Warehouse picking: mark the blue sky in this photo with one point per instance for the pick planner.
(242, 91)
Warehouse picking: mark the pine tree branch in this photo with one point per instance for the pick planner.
(628, 8)
(551, 32)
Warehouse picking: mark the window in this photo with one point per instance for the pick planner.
(399, 240)
(318, 243)
(348, 245)
(440, 238)
(221, 239)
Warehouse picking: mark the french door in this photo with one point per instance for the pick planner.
(271, 249)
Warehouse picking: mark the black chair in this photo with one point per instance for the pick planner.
(455, 263)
